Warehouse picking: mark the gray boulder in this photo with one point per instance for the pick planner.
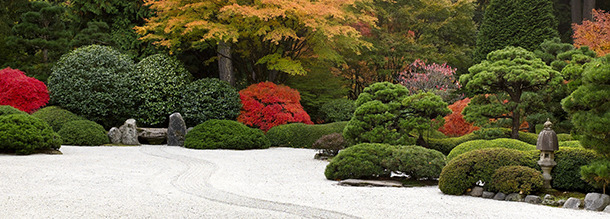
(533, 199)
(596, 201)
(115, 135)
(499, 196)
(129, 132)
(176, 131)
(477, 191)
(572, 203)
(513, 197)
(487, 194)
(607, 209)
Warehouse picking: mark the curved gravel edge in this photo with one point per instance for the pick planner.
(194, 180)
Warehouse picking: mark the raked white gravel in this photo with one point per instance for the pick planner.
(174, 182)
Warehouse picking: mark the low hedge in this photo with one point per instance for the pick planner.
(445, 145)
(56, 117)
(466, 170)
(566, 175)
(24, 134)
(225, 134)
(299, 135)
(338, 110)
(83, 133)
(7, 110)
(496, 143)
(564, 137)
(516, 179)
(372, 160)
(570, 144)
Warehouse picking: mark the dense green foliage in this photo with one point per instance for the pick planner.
(299, 135)
(209, 98)
(496, 143)
(516, 179)
(225, 134)
(566, 175)
(338, 110)
(96, 82)
(372, 160)
(519, 23)
(7, 110)
(445, 145)
(330, 145)
(385, 114)
(466, 170)
(24, 134)
(83, 133)
(597, 174)
(162, 79)
(55, 116)
(588, 105)
(508, 74)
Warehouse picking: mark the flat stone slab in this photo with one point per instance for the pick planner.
(376, 183)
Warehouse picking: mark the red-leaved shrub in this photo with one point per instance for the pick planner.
(22, 92)
(455, 125)
(266, 105)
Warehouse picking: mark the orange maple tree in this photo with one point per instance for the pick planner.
(594, 34)
(455, 125)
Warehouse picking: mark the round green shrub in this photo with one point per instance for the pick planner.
(570, 144)
(496, 143)
(225, 134)
(566, 175)
(162, 81)
(24, 134)
(466, 170)
(516, 179)
(445, 145)
(7, 110)
(362, 161)
(209, 98)
(338, 110)
(330, 145)
(56, 117)
(83, 133)
(416, 161)
(96, 82)
(299, 135)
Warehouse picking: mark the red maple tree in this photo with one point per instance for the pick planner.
(266, 105)
(455, 125)
(22, 92)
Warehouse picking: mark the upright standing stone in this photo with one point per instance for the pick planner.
(115, 135)
(176, 131)
(129, 132)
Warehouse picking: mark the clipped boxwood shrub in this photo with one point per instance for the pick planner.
(162, 81)
(330, 145)
(570, 144)
(83, 133)
(209, 98)
(466, 170)
(24, 134)
(56, 117)
(225, 134)
(96, 82)
(7, 110)
(564, 137)
(445, 145)
(361, 161)
(416, 161)
(338, 110)
(496, 143)
(566, 175)
(516, 179)
(299, 135)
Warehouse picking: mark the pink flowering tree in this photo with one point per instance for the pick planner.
(436, 78)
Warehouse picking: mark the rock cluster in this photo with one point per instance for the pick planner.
(128, 133)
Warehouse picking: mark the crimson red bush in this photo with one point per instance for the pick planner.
(455, 125)
(266, 105)
(22, 92)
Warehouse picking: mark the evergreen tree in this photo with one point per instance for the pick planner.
(519, 23)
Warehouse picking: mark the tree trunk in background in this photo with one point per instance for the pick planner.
(225, 65)
(587, 7)
(581, 10)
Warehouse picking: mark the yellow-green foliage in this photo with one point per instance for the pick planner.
(299, 135)
(445, 145)
(496, 143)
(225, 134)
(570, 144)
(516, 179)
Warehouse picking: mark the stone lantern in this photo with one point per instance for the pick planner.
(547, 144)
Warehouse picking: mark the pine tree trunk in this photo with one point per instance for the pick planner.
(576, 11)
(225, 65)
(587, 7)
(516, 123)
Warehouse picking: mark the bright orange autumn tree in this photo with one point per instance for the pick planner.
(594, 34)
(455, 125)
(268, 39)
